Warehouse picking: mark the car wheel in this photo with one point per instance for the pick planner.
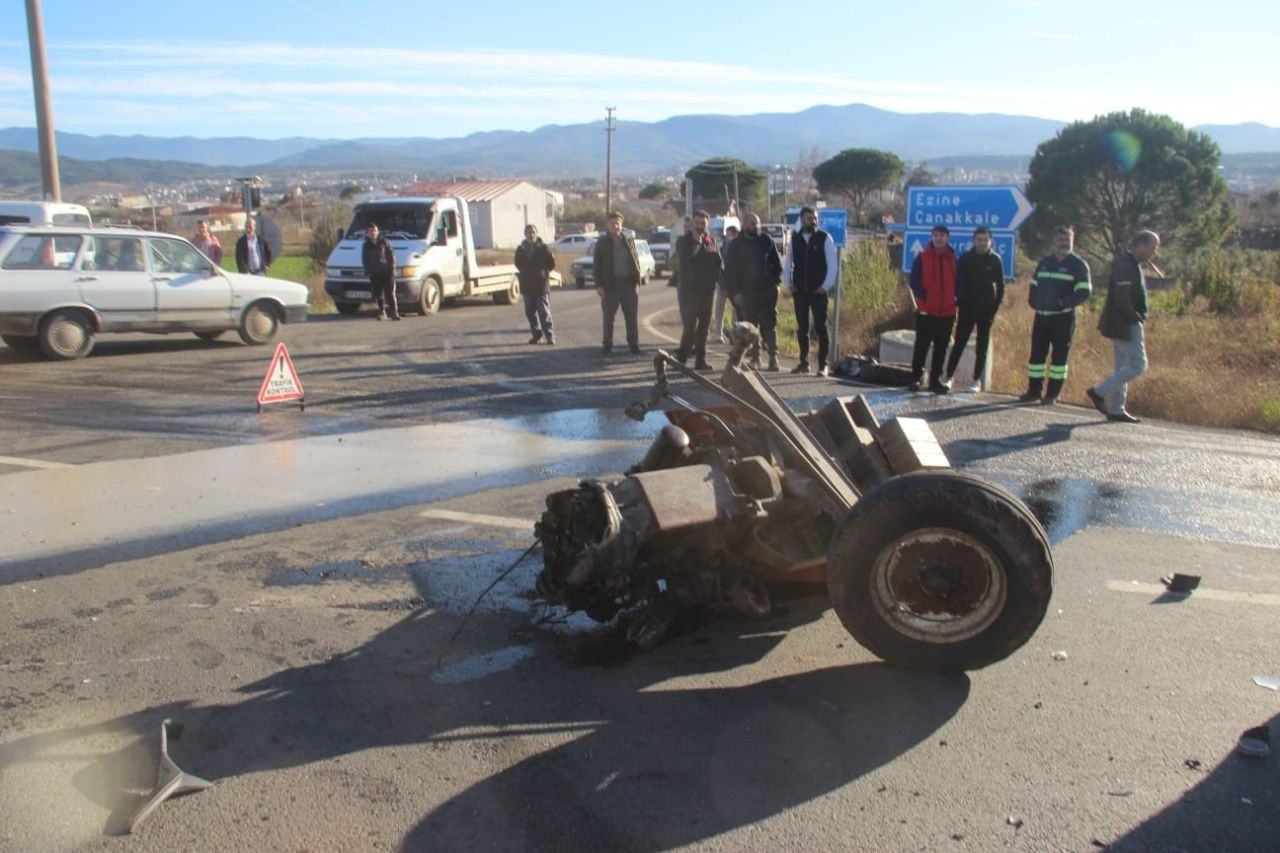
(511, 295)
(941, 572)
(210, 336)
(259, 324)
(66, 335)
(21, 343)
(429, 298)
(347, 309)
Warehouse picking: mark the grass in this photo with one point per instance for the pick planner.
(296, 268)
(1213, 338)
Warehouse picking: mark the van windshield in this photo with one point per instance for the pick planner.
(404, 222)
(71, 219)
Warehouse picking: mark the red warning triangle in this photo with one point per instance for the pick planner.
(281, 382)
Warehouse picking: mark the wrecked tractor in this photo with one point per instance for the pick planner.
(927, 568)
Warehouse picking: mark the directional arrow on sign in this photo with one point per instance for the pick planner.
(1001, 208)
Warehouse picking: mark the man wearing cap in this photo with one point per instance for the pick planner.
(933, 284)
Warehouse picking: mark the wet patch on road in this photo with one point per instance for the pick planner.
(1067, 504)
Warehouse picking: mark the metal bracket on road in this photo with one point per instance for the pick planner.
(171, 780)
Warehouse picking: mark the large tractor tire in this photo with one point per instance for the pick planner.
(940, 572)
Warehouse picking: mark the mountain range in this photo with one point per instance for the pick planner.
(639, 148)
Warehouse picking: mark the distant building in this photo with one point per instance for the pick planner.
(499, 209)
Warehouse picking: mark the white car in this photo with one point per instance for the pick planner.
(574, 244)
(582, 267)
(60, 286)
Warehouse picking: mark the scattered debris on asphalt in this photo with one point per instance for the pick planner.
(1180, 583)
(1255, 742)
(171, 779)
(1059, 655)
(1271, 682)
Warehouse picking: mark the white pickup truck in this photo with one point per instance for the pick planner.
(435, 256)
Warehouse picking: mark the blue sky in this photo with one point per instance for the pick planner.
(395, 68)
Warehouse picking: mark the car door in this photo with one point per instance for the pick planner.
(113, 279)
(189, 294)
(37, 275)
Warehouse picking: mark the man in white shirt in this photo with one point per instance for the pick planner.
(810, 276)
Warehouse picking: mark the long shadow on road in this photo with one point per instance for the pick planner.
(629, 767)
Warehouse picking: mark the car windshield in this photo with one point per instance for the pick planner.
(396, 222)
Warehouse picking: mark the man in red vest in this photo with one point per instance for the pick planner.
(933, 284)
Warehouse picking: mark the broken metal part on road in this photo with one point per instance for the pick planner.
(171, 780)
(928, 568)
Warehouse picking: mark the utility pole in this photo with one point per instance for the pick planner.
(49, 183)
(608, 160)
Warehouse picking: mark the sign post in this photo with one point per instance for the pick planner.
(835, 221)
(961, 209)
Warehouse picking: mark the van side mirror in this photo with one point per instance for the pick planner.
(440, 240)
(341, 233)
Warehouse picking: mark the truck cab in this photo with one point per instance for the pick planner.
(434, 251)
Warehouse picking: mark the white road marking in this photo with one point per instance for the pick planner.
(32, 463)
(478, 518)
(1200, 592)
(648, 324)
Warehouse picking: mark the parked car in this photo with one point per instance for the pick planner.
(778, 233)
(61, 286)
(583, 267)
(574, 244)
(660, 244)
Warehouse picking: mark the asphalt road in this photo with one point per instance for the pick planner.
(289, 585)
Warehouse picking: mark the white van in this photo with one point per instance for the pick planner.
(44, 213)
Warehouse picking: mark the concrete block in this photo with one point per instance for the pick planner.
(897, 345)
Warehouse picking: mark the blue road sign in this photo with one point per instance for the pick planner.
(1000, 208)
(1002, 243)
(835, 221)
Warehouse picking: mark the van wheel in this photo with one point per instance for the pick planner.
(511, 295)
(429, 297)
(66, 335)
(347, 309)
(260, 324)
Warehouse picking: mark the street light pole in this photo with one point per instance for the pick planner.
(608, 161)
(50, 185)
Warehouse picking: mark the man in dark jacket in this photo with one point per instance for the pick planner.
(979, 292)
(700, 267)
(810, 274)
(1060, 283)
(379, 261)
(933, 284)
(534, 263)
(1122, 319)
(253, 254)
(616, 269)
(752, 271)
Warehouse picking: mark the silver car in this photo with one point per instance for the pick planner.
(60, 286)
(582, 268)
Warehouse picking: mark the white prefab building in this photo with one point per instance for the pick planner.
(499, 209)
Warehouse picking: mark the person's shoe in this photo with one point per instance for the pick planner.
(1099, 401)
(606, 350)
(396, 317)
(382, 315)
(1124, 418)
(703, 367)
(773, 364)
(536, 339)
(916, 387)
(754, 363)
(551, 341)
(946, 383)
(938, 387)
(1030, 397)
(973, 387)
(724, 339)
(635, 350)
(802, 367)
(823, 370)
(1049, 401)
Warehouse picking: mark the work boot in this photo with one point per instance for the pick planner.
(535, 339)
(773, 363)
(702, 367)
(1030, 397)
(1099, 401)
(551, 341)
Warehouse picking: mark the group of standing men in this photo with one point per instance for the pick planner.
(972, 288)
